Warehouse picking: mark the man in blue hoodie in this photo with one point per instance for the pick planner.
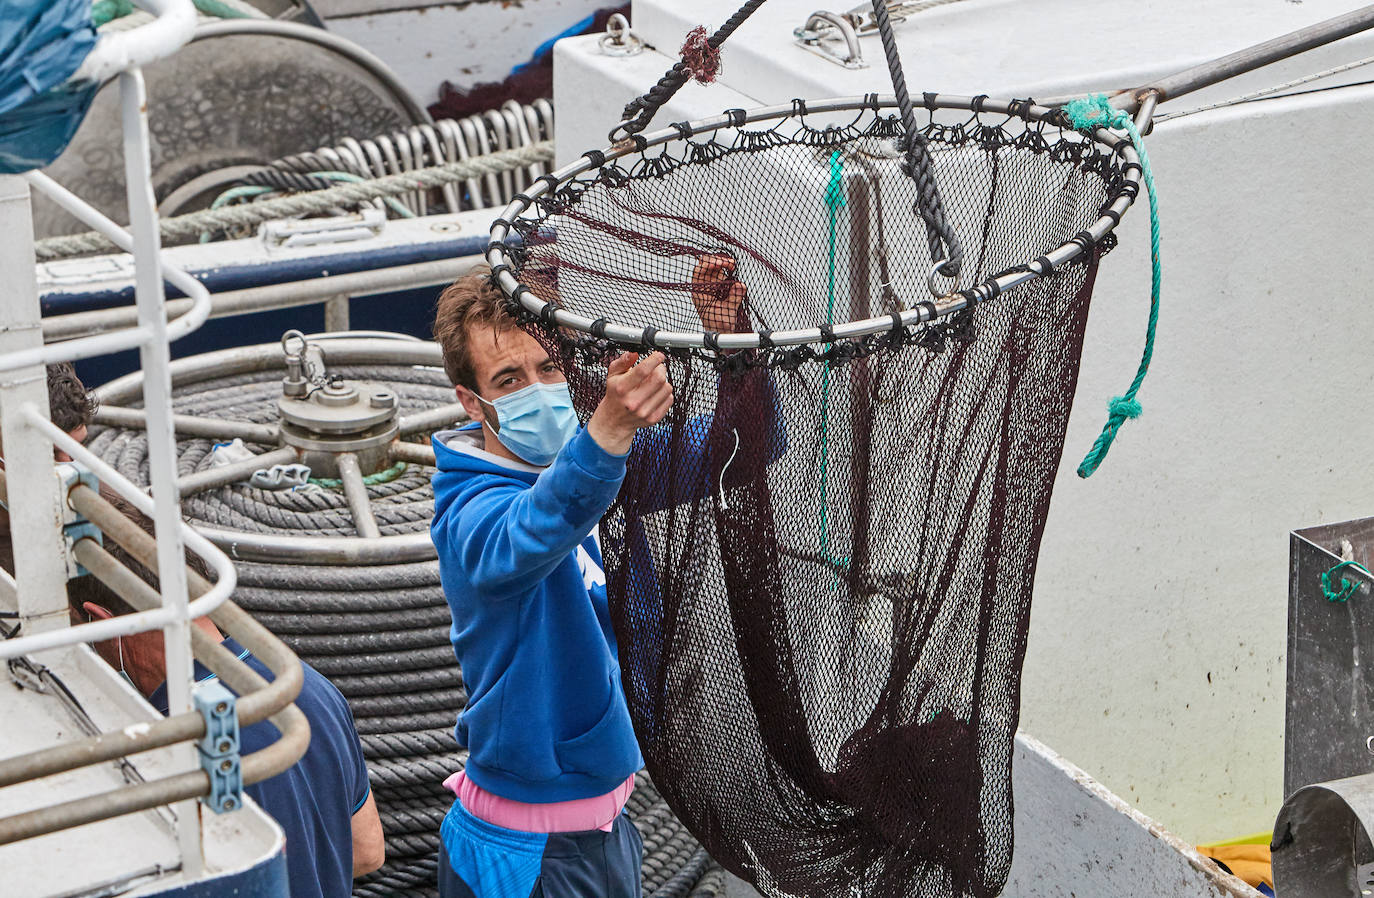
(517, 499)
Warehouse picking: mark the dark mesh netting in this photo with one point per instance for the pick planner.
(820, 562)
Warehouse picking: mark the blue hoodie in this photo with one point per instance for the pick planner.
(546, 718)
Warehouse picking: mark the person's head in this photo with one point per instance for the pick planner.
(488, 357)
(70, 406)
(140, 657)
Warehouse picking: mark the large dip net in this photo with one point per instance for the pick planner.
(820, 562)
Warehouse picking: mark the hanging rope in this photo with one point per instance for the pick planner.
(641, 110)
(834, 202)
(1347, 587)
(1085, 115)
(917, 165)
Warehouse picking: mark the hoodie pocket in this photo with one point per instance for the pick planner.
(608, 748)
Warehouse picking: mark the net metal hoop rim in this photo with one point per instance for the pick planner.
(922, 312)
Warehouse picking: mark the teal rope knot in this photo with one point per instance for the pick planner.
(1086, 114)
(1347, 587)
(1095, 111)
(1121, 407)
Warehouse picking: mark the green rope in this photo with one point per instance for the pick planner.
(394, 204)
(834, 201)
(384, 476)
(1087, 114)
(229, 196)
(105, 11)
(220, 10)
(251, 190)
(1347, 587)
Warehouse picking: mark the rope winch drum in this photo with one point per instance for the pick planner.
(368, 612)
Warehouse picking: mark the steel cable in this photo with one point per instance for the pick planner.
(379, 632)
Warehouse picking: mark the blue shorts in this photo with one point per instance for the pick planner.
(481, 860)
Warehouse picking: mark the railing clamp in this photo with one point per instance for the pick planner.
(75, 527)
(219, 747)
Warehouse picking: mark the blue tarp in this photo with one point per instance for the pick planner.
(42, 43)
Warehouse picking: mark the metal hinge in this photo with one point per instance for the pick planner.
(219, 747)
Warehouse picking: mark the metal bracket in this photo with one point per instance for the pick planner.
(291, 233)
(75, 527)
(219, 747)
(825, 32)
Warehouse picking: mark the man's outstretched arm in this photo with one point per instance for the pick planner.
(508, 537)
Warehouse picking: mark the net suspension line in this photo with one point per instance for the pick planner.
(949, 258)
(945, 249)
(834, 201)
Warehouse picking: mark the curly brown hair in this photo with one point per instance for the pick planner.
(70, 404)
(472, 299)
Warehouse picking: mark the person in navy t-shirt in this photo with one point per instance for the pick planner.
(323, 803)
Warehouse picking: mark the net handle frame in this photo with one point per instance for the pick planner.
(921, 313)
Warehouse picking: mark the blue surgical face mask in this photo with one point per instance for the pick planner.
(536, 421)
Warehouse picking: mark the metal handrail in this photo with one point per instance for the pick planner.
(129, 624)
(119, 51)
(119, 340)
(259, 699)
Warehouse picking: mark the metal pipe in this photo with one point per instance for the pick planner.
(336, 313)
(116, 340)
(259, 699)
(430, 419)
(413, 453)
(1251, 58)
(228, 616)
(273, 296)
(225, 576)
(356, 493)
(117, 51)
(321, 549)
(192, 426)
(96, 631)
(209, 478)
(9, 590)
(256, 767)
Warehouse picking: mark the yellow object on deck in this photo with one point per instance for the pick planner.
(1250, 862)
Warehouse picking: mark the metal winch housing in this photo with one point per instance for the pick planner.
(328, 416)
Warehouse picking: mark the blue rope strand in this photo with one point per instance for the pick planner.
(1087, 114)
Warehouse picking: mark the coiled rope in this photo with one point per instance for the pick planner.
(251, 214)
(380, 632)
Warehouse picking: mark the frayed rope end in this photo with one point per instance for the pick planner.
(701, 59)
(1119, 410)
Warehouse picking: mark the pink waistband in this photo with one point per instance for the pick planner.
(597, 812)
